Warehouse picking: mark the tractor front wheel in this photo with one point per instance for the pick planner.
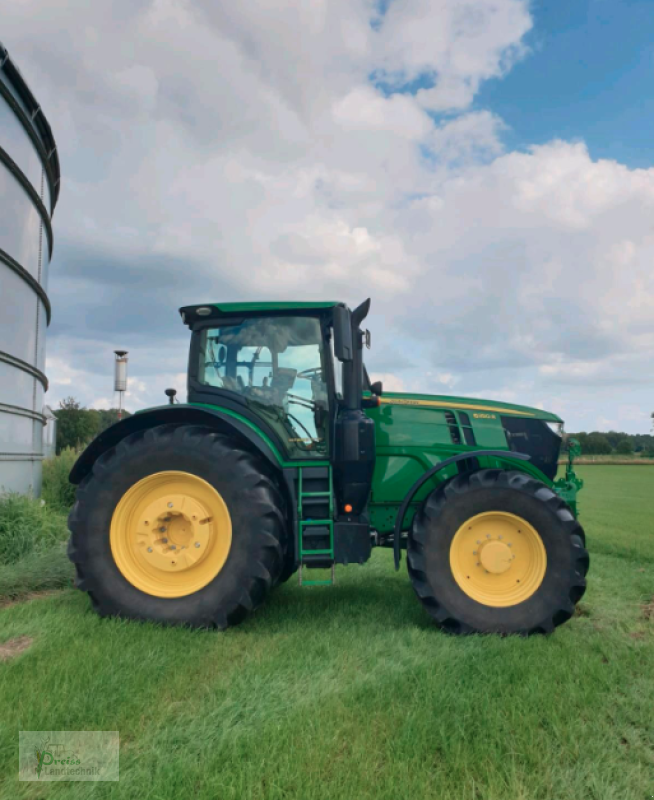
(496, 551)
(180, 525)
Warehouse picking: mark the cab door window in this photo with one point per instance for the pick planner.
(278, 365)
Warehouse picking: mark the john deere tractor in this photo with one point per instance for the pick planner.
(286, 458)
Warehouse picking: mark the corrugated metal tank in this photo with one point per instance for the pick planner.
(29, 186)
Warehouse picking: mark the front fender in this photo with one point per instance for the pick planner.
(508, 456)
(223, 421)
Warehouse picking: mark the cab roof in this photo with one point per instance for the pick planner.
(234, 308)
(190, 313)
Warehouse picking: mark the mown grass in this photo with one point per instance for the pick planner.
(349, 692)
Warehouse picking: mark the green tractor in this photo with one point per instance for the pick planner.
(286, 458)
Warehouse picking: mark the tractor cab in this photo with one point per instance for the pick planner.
(290, 364)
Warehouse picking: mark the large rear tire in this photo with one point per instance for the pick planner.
(180, 525)
(496, 551)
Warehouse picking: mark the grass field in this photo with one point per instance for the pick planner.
(350, 692)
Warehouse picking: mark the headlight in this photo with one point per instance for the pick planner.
(556, 427)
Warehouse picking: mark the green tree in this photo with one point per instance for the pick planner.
(625, 447)
(597, 444)
(75, 427)
(582, 438)
(613, 438)
(109, 417)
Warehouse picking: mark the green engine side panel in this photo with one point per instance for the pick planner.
(415, 432)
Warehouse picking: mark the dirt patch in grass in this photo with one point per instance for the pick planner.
(648, 610)
(582, 610)
(26, 598)
(14, 647)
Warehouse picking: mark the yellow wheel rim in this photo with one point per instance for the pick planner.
(498, 559)
(171, 534)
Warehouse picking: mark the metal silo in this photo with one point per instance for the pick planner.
(29, 185)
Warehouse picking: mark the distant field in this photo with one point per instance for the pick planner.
(350, 692)
(634, 460)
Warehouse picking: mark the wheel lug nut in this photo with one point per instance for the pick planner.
(197, 544)
(162, 529)
(499, 537)
(170, 505)
(474, 552)
(173, 547)
(165, 541)
(149, 549)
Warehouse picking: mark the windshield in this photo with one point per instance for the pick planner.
(277, 364)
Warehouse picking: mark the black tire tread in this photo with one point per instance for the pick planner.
(267, 563)
(429, 512)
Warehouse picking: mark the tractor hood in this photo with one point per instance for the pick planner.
(471, 404)
(444, 422)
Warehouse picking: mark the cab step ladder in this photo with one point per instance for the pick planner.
(315, 522)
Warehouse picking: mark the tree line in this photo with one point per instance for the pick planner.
(599, 443)
(77, 426)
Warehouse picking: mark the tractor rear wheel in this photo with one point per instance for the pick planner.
(497, 551)
(180, 525)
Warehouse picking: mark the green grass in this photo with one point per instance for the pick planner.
(32, 550)
(27, 527)
(58, 492)
(33, 533)
(350, 692)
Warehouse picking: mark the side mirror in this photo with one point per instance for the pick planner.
(342, 334)
(170, 394)
(377, 388)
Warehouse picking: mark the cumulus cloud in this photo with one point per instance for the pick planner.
(330, 149)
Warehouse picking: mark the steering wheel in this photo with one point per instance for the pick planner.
(310, 374)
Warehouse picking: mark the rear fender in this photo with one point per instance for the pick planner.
(176, 414)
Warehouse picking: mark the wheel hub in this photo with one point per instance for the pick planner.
(498, 558)
(171, 533)
(174, 533)
(495, 556)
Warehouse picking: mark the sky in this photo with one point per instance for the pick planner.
(482, 169)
